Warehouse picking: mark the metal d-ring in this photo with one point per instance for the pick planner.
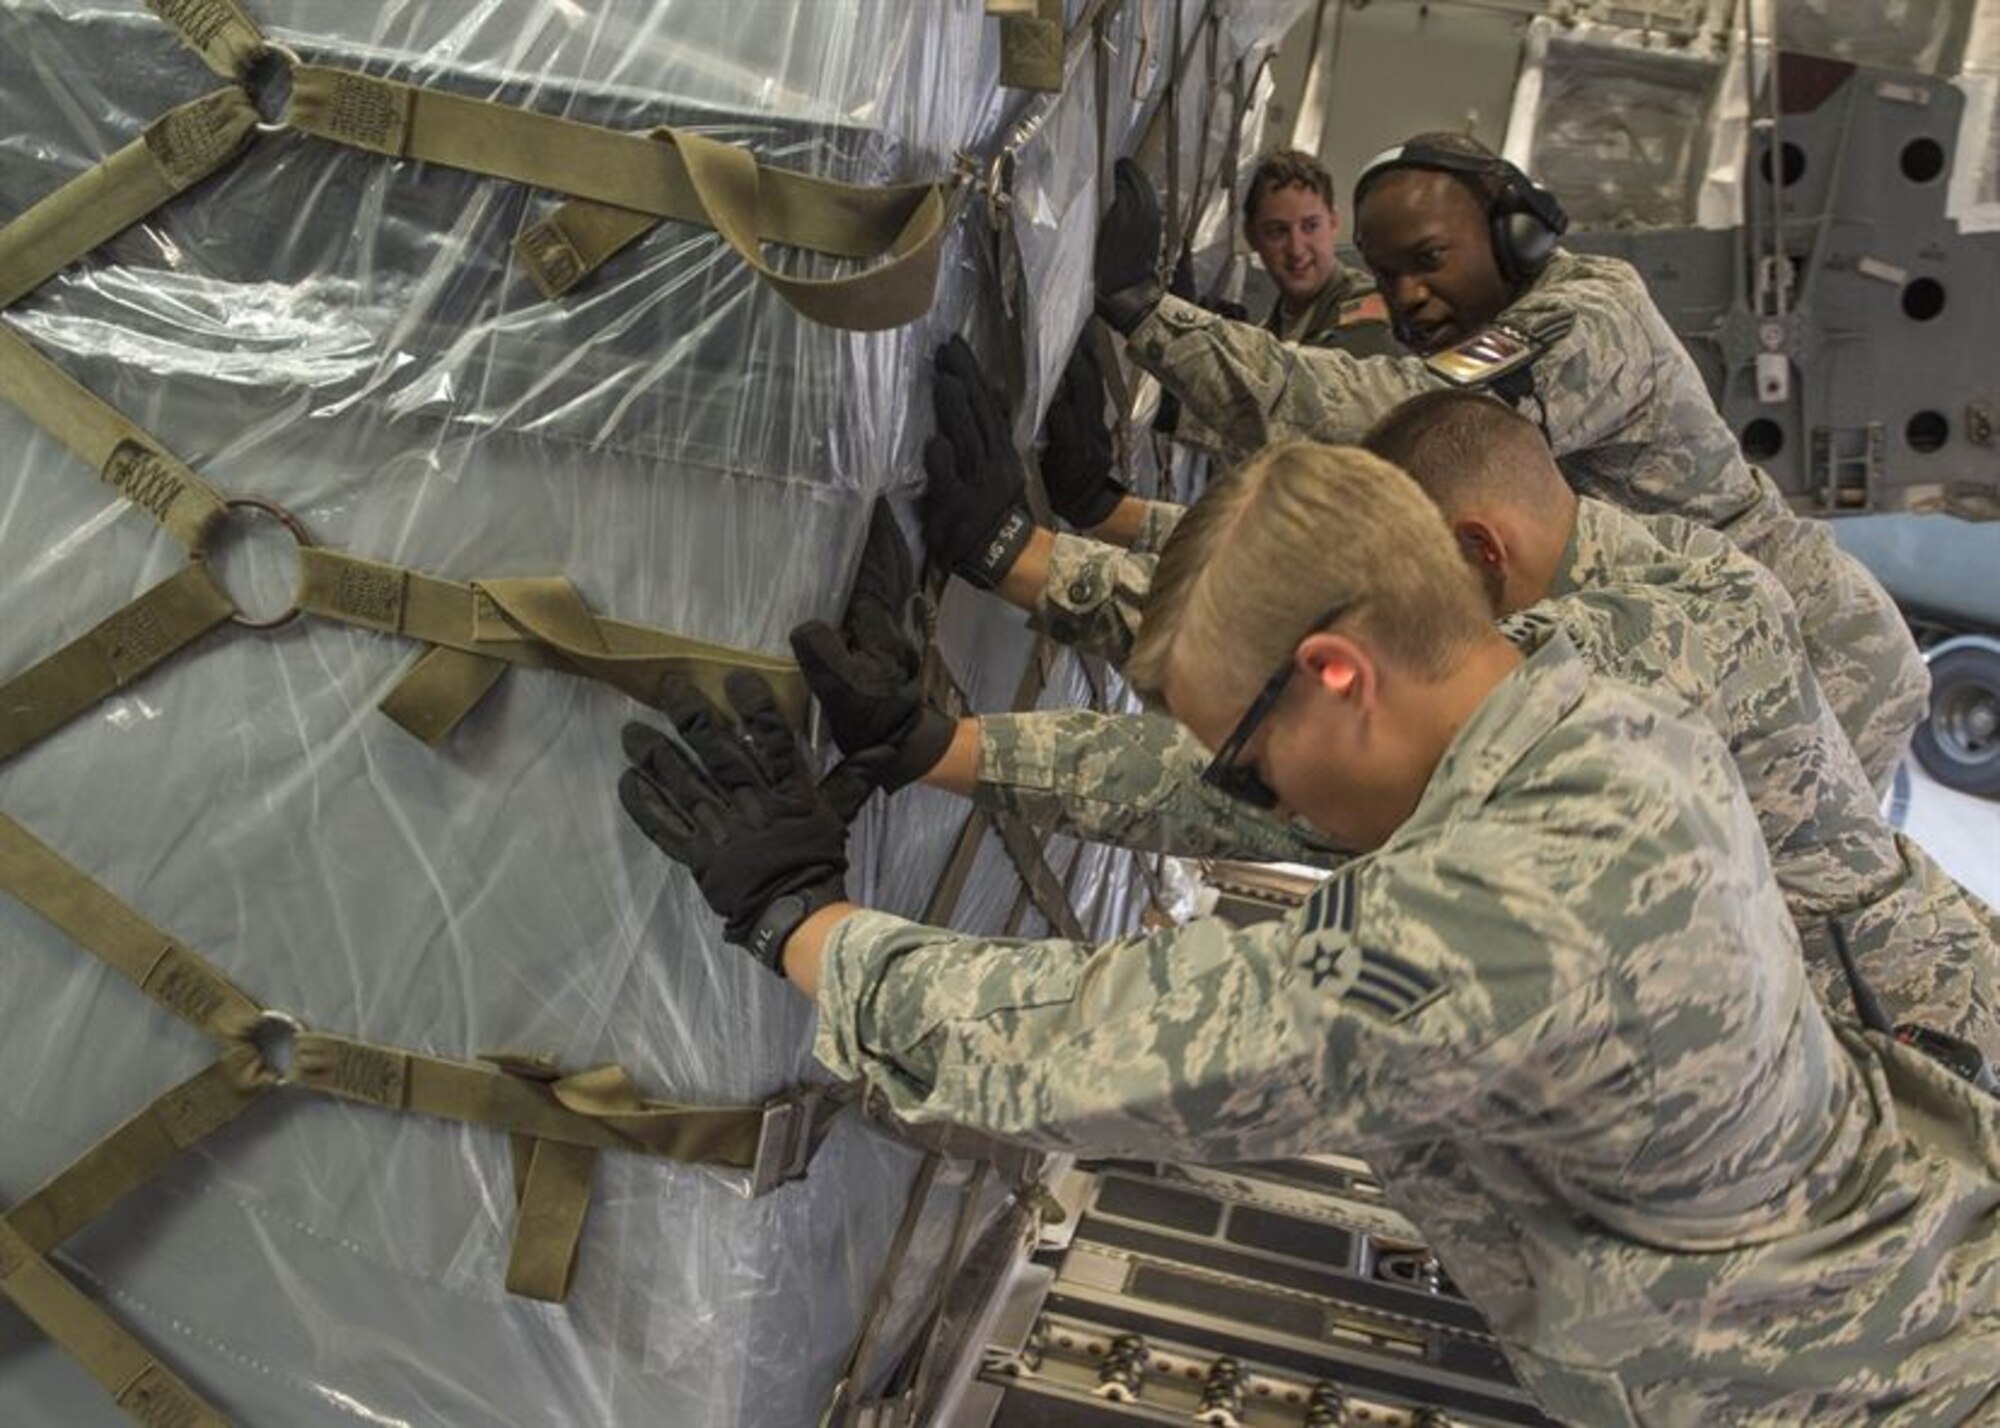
(299, 533)
(279, 1029)
(287, 56)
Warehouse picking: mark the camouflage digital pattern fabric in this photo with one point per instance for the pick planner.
(1563, 1013)
(1669, 606)
(1131, 780)
(1860, 648)
(1630, 421)
(1348, 313)
(1094, 595)
(1155, 525)
(1658, 602)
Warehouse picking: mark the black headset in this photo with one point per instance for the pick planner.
(1526, 219)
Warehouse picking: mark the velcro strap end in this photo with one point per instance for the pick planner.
(552, 261)
(355, 109)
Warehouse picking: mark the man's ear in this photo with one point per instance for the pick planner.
(1483, 547)
(1336, 663)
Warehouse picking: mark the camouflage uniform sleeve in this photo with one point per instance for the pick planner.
(1856, 640)
(1362, 339)
(1361, 1021)
(1156, 525)
(1252, 389)
(1133, 780)
(1930, 950)
(1199, 1043)
(1093, 596)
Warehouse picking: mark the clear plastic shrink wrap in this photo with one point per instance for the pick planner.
(352, 337)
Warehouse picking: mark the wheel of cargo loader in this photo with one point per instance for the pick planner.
(1959, 743)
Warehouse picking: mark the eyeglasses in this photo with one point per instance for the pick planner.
(1242, 782)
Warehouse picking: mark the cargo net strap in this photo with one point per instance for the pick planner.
(625, 183)
(559, 1120)
(473, 631)
(1031, 43)
(1049, 893)
(227, 40)
(632, 181)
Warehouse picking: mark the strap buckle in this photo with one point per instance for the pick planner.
(786, 1139)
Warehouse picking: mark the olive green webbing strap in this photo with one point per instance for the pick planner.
(551, 1197)
(1031, 45)
(476, 630)
(140, 1384)
(598, 1107)
(176, 151)
(93, 917)
(128, 1159)
(557, 1124)
(578, 237)
(540, 623)
(1022, 847)
(113, 654)
(226, 39)
(136, 1153)
(685, 177)
(124, 455)
(559, 1121)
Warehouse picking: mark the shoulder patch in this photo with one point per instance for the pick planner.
(1374, 981)
(1497, 351)
(1368, 308)
(1331, 905)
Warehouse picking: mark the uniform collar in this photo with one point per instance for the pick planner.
(1603, 540)
(1323, 314)
(1516, 716)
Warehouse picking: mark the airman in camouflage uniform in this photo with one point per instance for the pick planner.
(1687, 616)
(1348, 314)
(1290, 221)
(1630, 421)
(1560, 1008)
(1663, 604)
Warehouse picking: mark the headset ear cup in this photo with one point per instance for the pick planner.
(1524, 243)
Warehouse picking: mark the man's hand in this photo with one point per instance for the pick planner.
(866, 673)
(766, 843)
(975, 511)
(1078, 459)
(1128, 250)
(1182, 286)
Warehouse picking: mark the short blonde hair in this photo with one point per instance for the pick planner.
(1299, 529)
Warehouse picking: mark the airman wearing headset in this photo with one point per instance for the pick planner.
(1465, 248)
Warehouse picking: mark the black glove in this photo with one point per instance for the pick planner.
(975, 510)
(866, 673)
(767, 844)
(1181, 285)
(1078, 459)
(1128, 250)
